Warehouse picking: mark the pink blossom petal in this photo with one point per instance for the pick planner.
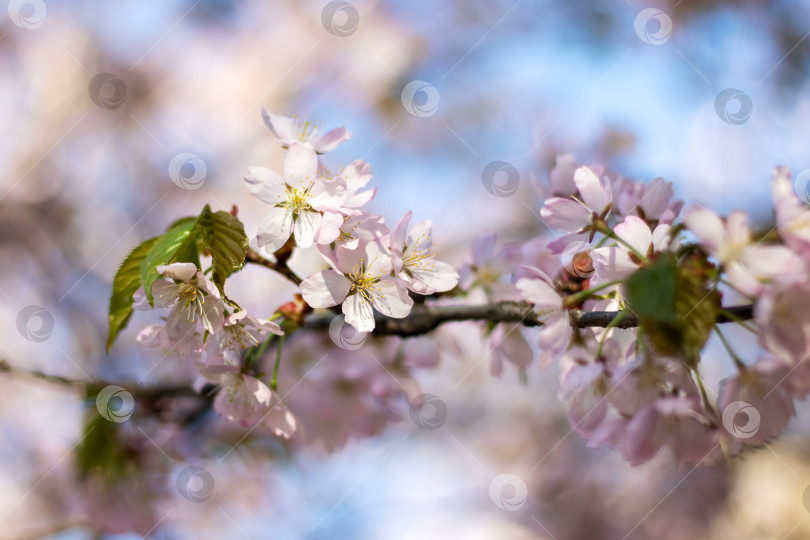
(325, 289)
(635, 232)
(306, 227)
(265, 184)
(331, 140)
(540, 293)
(565, 215)
(275, 229)
(594, 190)
(707, 226)
(329, 231)
(359, 313)
(279, 125)
(164, 293)
(390, 298)
(300, 166)
(182, 271)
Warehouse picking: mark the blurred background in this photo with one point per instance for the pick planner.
(99, 99)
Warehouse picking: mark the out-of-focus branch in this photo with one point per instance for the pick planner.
(90, 387)
(425, 318)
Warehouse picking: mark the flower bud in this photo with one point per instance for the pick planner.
(580, 265)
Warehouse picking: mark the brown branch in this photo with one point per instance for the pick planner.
(426, 318)
(254, 258)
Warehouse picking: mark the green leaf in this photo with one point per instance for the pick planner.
(650, 291)
(126, 281)
(675, 308)
(224, 236)
(164, 250)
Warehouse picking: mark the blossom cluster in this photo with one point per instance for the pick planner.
(634, 389)
(368, 268)
(623, 248)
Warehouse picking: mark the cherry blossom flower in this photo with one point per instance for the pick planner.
(155, 336)
(414, 261)
(574, 215)
(249, 402)
(291, 130)
(618, 262)
(754, 408)
(783, 318)
(535, 253)
(299, 201)
(240, 332)
(675, 421)
(792, 216)
(555, 334)
(357, 227)
(508, 344)
(193, 299)
(356, 176)
(651, 201)
(361, 279)
(560, 178)
(488, 269)
(745, 264)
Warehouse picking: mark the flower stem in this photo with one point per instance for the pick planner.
(613, 323)
(703, 395)
(623, 242)
(737, 362)
(274, 382)
(581, 296)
